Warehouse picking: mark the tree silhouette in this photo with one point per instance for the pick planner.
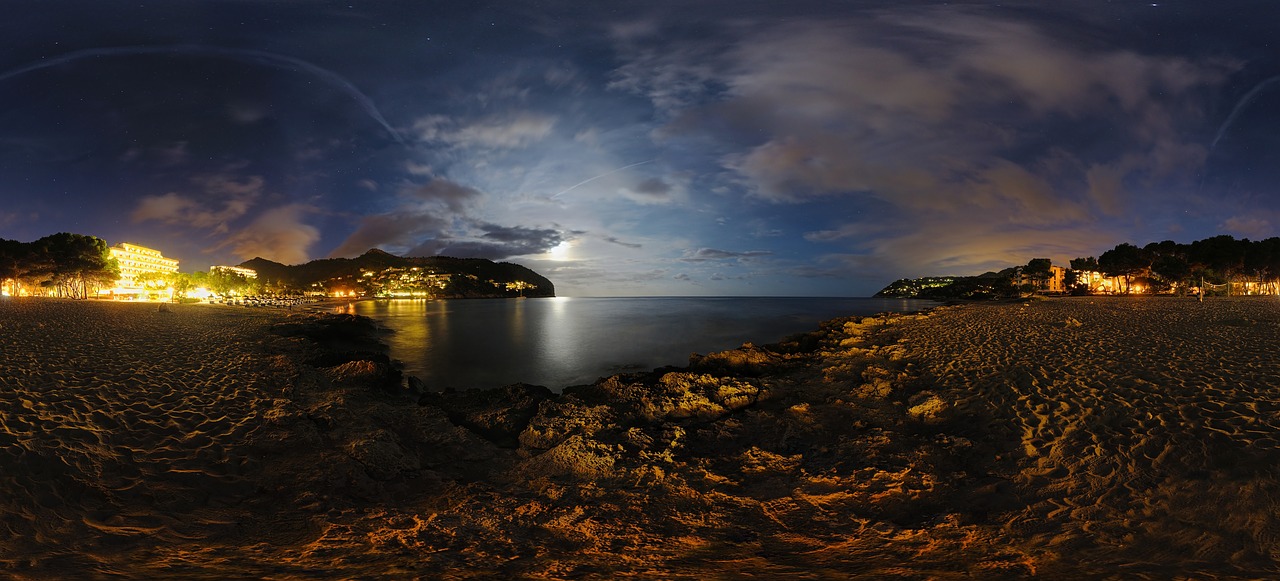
(72, 265)
(1039, 270)
(1125, 260)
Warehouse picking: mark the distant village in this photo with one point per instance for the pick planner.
(76, 266)
(1221, 265)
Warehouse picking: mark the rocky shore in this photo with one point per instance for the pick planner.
(1062, 438)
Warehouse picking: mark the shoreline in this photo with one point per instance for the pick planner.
(1057, 438)
(576, 341)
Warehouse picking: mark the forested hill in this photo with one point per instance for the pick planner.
(469, 277)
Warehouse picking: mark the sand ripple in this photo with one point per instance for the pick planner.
(1145, 438)
(1072, 438)
(120, 424)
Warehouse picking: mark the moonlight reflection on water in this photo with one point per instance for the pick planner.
(564, 341)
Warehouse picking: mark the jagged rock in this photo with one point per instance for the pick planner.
(333, 330)
(416, 387)
(381, 456)
(498, 415)
(364, 373)
(746, 360)
(680, 395)
(576, 456)
(557, 419)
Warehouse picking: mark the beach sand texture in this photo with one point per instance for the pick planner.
(122, 426)
(1143, 432)
(1064, 438)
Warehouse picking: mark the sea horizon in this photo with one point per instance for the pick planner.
(564, 341)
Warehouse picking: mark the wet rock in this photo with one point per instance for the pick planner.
(416, 387)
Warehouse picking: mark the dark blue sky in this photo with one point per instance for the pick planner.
(688, 148)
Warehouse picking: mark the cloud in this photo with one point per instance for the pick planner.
(843, 232)
(963, 248)
(10, 218)
(509, 132)
(1249, 226)
(615, 240)
(423, 212)
(710, 254)
(228, 199)
(451, 195)
(673, 75)
(277, 234)
(939, 120)
(173, 154)
(395, 230)
(417, 169)
(493, 242)
(226, 184)
(650, 191)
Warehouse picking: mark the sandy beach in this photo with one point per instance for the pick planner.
(1061, 438)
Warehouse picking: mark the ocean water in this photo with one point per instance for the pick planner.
(558, 342)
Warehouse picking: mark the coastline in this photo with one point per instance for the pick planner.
(1062, 437)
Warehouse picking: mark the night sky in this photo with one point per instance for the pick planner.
(641, 148)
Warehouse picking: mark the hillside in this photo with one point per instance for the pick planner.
(467, 277)
(983, 286)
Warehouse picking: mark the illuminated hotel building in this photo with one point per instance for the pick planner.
(245, 272)
(138, 260)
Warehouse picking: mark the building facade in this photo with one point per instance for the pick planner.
(136, 261)
(248, 273)
(1056, 283)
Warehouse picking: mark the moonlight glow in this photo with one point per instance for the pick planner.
(661, 148)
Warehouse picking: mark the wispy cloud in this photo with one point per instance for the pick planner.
(615, 240)
(713, 254)
(504, 132)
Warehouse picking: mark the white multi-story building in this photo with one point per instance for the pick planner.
(136, 261)
(245, 272)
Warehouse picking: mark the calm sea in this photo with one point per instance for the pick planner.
(558, 342)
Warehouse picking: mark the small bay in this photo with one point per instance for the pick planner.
(563, 341)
